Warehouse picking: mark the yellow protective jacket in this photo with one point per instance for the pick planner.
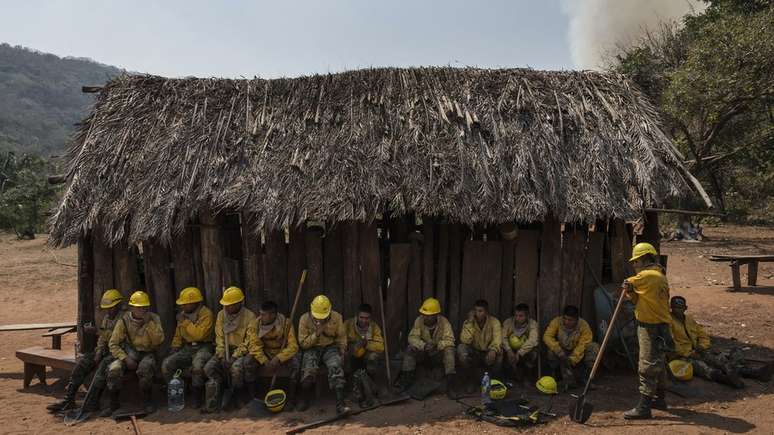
(529, 338)
(573, 342)
(200, 331)
(106, 331)
(374, 336)
(146, 338)
(239, 338)
(688, 336)
(333, 332)
(268, 345)
(651, 296)
(490, 337)
(442, 336)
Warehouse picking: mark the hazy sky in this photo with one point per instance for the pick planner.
(289, 38)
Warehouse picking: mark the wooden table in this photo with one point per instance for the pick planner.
(752, 267)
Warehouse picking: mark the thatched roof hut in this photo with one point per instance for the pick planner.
(469, 147)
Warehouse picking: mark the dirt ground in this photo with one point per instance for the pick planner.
(38, 285)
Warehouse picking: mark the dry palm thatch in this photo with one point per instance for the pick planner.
(474, 145)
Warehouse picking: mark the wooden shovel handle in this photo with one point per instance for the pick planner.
(292, 315)
(604, 342)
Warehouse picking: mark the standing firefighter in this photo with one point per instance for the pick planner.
(520, 341)
(432, 340)
(322, 337)
(135, 340)
(272, 329)
(192, 344)
(98, 360)
(366, 351)
(233, 328)
(570, 346)
(649, 290)
(480, 344)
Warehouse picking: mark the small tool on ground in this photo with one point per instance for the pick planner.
(338, 417)
(79, 415)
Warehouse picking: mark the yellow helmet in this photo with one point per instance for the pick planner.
(497, 390)
(189, 295)
(515, 342)
(139, 299)
(110, 299)
(546, 385)
(430, 306)
(275, 400)
(681, 369)
(321, 307)
(641, 249)
(232, 295)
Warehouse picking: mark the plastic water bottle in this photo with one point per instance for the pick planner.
(176, 393)
(485, 388)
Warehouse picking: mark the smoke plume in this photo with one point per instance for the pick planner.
(597, 27)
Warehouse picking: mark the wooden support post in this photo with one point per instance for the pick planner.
(231, 235)
(593, 274)
(125, 274)
(506, 305)
(333, 265)
(526, 268)
(414, 283)
(549, 280)
(352, 295)
(370, 267)
(183, 260)
(442, 266)
(275, 269)
(457, 235)
(481, 273)
(398, 312)
(400, 228)
(752, 273)
(103, 271)
(428, 257)
(620, 251)
(573, 267)
(651, 232)
(296, 260)
(735, 277)
(158, 278)
(252, 262)
(315, 281)
(85, 291)
(212, 255)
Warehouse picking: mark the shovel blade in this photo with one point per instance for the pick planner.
(226, 399)
(580, 411)
(75, 417)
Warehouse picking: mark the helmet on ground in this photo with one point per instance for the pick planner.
(139, 299)
(641, 249)
(110, 299)
(189, 295)
(430, 306)
(497, 390)
(681, 369)
(275, 400)
(321, 307)
(515, 342)
(546, 385)
(359, 352)
(232, 295)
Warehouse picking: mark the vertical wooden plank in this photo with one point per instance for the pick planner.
(400, 227)
(158, 278)
(296, 260)
(481, 274)
(593, 275)
(505, 308)
(526, 268)
(442, 266)
(414, 282)
(315, 281)
(85, 291)
(252, 262)
(493, 270)
(183, 260)
(620, 251)
(231, 235)
(275, 269)
(456, 239)
(196, 257)
(103, 271)
(212, 255)
(573, 246)
(428, 257)
(651, 233)
(125, 275)
(397, 309)
(549, 279)
(370, 268)
(333, 265)
(352, 295)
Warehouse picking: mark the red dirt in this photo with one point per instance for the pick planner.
(34, 288)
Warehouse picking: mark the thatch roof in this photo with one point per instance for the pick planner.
(474, 145)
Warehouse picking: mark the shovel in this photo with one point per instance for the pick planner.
(229, 391)
(581, 410)
(80, 415)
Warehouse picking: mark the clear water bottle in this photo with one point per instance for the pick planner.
(485, 388)
(176, 393)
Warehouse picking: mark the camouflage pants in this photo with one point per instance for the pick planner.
(243, 370)
(146, 369)
(330, 357)
(571, 373)
(652, 363)
(708, 365)
(84, 366)
(292, 365)
(444, 356)
(528, 360)
(191, 360)
(471, 357)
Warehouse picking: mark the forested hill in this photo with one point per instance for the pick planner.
(41, 98)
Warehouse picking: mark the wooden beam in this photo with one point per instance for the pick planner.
(85, 291)
(442, 266)
(91, 89)
(125, 274)
(158, 278)
(57, 179)
(352, 295)
(457, 235)
(275, 269)
(252, 262)
(212, 254)
(296, 260)
(103, 271)
(231, 235)
(685, 212)
(620, 251)
(549, 280)
(505, 308)
(481, 274)
(651, 233)
(573, 247)
(428, 257)
(183, 260)
(333, 265)
(526, 268)
(397, 310)
(370, 268)
(315, 281)
(593, 275)
(414, 282)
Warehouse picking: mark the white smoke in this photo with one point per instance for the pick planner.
(597, 27)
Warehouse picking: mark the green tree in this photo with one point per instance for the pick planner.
(25, 195)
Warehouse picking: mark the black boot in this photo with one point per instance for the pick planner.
(115, 403)
(148, 402)
(405, 381)
(341, 406)
(641, 411)
(290, 402)
(659, 402)
(451, 387)
(731, 379)
(762, 373)
(92, 404)
(68, 402)
(303, 397)
(250, 391)
(196, 397)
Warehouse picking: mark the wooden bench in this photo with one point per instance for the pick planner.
(752, 267)
(36, 358)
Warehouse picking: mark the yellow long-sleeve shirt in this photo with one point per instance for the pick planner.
(651, 296)
(200, 331)
(266, 346)
(238, 339)
(442, 336)
(333, 332)
(146, 338)
(529, 338)
(688, 336)
(490, 337)
(375, 340)
(559, 339)
(106, 331)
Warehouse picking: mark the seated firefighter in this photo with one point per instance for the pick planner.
(323, 339)
(692, 344)
(431, 340)
(570, 346)
(480, 345)
(136, 338)
(274, 346)
(232, 364)
(192, 344)
(520, 342)
(366, 350)
(98, 360)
